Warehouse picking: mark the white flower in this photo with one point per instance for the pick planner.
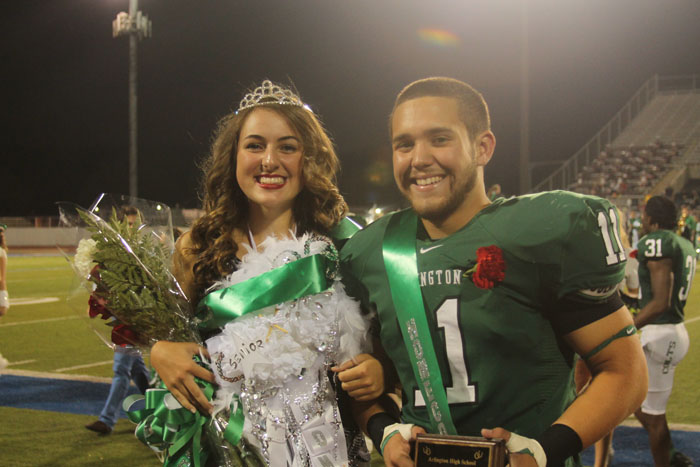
(82, 261)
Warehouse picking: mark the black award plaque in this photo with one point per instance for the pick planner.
(448, 451)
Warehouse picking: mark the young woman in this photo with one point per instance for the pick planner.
(270, 200)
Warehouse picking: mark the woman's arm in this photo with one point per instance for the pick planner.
(173, 360)
(175, 366)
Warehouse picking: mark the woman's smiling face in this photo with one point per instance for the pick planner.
(269, 161)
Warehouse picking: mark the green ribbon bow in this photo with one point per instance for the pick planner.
(164, 425)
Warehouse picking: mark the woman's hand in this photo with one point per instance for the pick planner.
(362, 377)
(175, 366)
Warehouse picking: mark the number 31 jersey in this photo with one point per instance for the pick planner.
(666, 244)
(499, 349)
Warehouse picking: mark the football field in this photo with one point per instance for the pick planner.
(47, 336)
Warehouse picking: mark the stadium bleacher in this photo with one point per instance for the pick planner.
(652, 143)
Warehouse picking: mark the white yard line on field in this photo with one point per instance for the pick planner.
(43, 374)
(21, 362)
(36, 321)
(34, 279)
(631, 421)
(88, 365)
(32, 300)
(692, 320)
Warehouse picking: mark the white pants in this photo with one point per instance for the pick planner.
(664, 346)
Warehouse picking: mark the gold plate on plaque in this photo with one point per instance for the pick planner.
(448, 450)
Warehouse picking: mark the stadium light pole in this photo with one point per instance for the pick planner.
(136, 26)
(525, 175)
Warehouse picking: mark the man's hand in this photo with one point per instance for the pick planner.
(397, 451)
(516, 460)
(362, 377)
(174, 364)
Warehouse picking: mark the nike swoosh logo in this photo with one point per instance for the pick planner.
(425, 250)
(631, 331)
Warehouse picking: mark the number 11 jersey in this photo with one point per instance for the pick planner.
(498, 344)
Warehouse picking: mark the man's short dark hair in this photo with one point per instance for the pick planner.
(472, 108)
(661, 211)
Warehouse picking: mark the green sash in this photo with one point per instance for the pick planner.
(306, 276)
(345, 229)
(399, 250)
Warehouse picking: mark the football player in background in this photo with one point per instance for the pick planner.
(483, 304)
(666, 269)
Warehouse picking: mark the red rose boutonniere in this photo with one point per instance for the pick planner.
(490, 268)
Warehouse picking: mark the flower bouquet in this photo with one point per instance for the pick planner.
(124, 261)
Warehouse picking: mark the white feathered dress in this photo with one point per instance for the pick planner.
(276, 362)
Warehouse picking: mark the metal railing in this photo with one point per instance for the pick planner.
(181, 218)
(566, 174)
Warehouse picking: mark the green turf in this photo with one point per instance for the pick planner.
(29, 437)
(37, 438)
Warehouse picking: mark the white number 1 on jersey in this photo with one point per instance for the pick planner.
(605, 228)
(460, 391)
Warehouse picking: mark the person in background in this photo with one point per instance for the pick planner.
(635, 227)
(480, 319)
(687, 224)
(128, 363)
(494, 192)
(4, 296)
(667, 264)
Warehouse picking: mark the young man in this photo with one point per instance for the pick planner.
(483, 304)
(666, 269)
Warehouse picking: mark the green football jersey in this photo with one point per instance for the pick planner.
(500, 352)
(667, 244)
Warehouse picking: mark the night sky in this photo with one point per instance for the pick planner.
(65, 81)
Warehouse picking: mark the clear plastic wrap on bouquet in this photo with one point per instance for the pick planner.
(123, 259)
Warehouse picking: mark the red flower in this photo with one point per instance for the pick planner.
(123, 335)
(490, 267)
(97, 307)
(633, 254)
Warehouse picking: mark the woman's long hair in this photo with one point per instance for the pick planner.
(317, 208)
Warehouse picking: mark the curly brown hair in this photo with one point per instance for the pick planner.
(318, 207)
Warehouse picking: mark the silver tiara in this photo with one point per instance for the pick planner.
(270, 93)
